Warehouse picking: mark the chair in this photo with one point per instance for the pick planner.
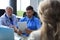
(2, 11)
(35, 14)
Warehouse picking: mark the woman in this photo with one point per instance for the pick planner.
(49, 12)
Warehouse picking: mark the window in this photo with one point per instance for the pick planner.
(4, 4)
(21, 6)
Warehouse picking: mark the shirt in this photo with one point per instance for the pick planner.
(35, 35)
(32, 23)
(8, 21)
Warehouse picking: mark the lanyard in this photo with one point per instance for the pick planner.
(11, 21)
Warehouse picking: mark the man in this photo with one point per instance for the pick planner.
(9, 19)
(33, 23)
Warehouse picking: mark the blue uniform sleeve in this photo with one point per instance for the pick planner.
(38, 23)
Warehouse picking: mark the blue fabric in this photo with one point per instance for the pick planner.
(10, 18)
(11, 21)
(4, 20)
(32, 24)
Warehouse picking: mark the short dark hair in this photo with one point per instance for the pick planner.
(29, 8)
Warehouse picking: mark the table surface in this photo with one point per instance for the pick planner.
(18, 37)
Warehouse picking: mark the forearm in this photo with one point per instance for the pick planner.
(31, 37)
(28, 31)
(18, 31)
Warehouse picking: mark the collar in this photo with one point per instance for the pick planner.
(29, 18)
(7, 15)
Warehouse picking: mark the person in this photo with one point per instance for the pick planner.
(9, 19)
(49, 12)
(33, 23)
(34, 14)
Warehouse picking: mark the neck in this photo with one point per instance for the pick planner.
(9, 15)
(30, 17)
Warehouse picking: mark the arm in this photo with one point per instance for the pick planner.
(2, 21)
(17, 30)
(32, 36)
(35, 35)
(28, 31)
(38, 23)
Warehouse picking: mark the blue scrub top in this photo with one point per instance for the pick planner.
(32, 23)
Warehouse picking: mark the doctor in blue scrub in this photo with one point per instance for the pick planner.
(33, 23)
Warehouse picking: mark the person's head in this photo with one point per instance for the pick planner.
(49, 12)
(29, 11)
(9, 10)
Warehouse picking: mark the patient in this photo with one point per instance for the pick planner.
(49, 12)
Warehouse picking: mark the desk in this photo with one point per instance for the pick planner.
(8, 34)
(17, 37)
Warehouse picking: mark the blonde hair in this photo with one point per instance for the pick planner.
(49, 12)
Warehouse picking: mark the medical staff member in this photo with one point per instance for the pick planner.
(9, 19)
(33, 23)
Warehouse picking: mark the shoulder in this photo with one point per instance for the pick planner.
(35, 35)
(2, 17)
(35, 18)
(23, 19)
(13, 15)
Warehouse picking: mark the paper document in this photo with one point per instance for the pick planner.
(22, 26)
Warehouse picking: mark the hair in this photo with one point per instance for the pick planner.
(29, 8)
(9, 7)
(49, 12)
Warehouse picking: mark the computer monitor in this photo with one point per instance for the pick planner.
(6, 34)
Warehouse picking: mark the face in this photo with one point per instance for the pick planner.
(29, 13)
(9, 11)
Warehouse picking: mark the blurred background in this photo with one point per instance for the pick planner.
(19, 6)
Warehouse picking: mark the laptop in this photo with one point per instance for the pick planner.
(6, 34)
(22, 26)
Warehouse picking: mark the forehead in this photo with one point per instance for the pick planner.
(29, 10)
(9, 8)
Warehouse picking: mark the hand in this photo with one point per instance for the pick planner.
(15, 29)
(19, 32)
(28, 31)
